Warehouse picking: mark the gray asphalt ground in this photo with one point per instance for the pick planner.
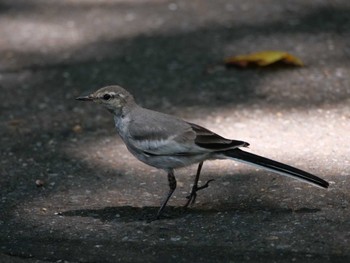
(95, 199)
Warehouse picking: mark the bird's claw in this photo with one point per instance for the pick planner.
(205, 185)
(193, 195)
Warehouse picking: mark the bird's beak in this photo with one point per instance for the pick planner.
(85, 98)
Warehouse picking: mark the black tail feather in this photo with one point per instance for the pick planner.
(275, 166)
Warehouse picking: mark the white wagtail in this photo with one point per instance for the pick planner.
(167, 142)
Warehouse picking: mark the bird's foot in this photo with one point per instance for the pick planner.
(193, 195)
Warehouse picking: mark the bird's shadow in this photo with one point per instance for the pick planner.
(148, 213)
(126, 213)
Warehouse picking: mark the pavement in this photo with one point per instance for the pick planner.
(71, 192)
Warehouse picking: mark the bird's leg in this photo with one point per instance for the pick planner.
(192, 197)
(172, 186)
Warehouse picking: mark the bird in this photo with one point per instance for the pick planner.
(167, 142)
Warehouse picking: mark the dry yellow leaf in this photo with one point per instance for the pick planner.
(263, 58)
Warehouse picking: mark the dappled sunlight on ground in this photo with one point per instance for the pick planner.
(71, 191)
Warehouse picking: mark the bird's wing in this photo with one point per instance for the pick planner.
(161, 134)
(210, 140)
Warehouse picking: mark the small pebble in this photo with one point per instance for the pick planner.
(39, 183)
(77, 128)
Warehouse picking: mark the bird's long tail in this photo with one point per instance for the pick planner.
(275, 166)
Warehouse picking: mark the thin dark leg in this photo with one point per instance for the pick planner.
(193, 195)
(172, 186)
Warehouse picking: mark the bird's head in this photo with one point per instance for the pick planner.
(114, 98)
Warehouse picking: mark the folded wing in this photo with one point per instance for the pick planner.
(212, 141)
(176, 137)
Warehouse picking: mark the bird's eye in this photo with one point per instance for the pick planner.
(107, 96)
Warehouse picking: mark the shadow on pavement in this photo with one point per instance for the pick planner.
(131, 214)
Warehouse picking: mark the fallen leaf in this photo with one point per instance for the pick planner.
(263, 58)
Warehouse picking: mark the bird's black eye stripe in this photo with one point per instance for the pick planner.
(107, 96)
